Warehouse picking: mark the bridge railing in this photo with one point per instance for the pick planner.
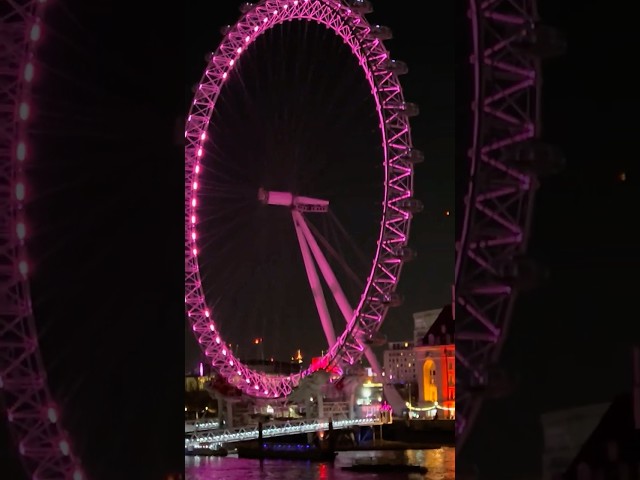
(216, 438)
(202, 424)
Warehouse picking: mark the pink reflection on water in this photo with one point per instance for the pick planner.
(440, 462)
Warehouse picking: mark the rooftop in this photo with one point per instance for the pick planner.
(442, 330)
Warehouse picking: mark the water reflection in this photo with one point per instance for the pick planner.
(440, 462)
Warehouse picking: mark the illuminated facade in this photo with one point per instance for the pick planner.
(195, 383)
(435, 367)
(399, 362)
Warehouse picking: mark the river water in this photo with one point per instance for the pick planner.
(441, 463)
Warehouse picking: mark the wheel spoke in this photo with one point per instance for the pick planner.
(325, 268)
(314, 282)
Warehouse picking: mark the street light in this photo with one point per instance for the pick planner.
(258, 341)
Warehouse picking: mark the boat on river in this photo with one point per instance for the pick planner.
(374, 467)
(286, 451)
(206, 452)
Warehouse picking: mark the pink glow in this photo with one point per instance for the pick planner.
(28, 72)
(193, 235)
(201, 369)
(34, 35)
(212, 327)
(23, 111)
(194, 251)
(207, 313)
(199, 154)
(224, 75)
(194, 202)
(218, 340)
(20, 191)
(203, 136)
(64, 447)
(52, 414)
(193, 219)
(32, 414)
(239, 50)
(21, 151)
(224, 352)
(21, 230)
(197, 169)
(195, 185)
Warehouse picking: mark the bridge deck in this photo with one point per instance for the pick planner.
(213, 438)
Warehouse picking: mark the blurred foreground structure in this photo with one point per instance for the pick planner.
(598, 442)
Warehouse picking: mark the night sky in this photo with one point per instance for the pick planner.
(428, 48)
(570, 340)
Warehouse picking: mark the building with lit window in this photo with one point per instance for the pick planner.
(435, 367)
(399, 362)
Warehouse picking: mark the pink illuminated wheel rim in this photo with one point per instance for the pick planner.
(506, 160)
(345, 19)
(33, 417)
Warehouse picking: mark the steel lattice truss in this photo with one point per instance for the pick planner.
(501, 192)
(366, 41)
(33, 416)
(216, 438)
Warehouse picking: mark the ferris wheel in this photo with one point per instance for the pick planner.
(362, 318)
(33, 416)
(506, 159)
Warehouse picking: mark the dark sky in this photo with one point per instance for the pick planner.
(570, 340)
(427, 46)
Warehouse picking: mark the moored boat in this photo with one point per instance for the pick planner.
(207, 452)
(385, 468)
(286, 451)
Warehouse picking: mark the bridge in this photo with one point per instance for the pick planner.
(198, 435)
(237, 423)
